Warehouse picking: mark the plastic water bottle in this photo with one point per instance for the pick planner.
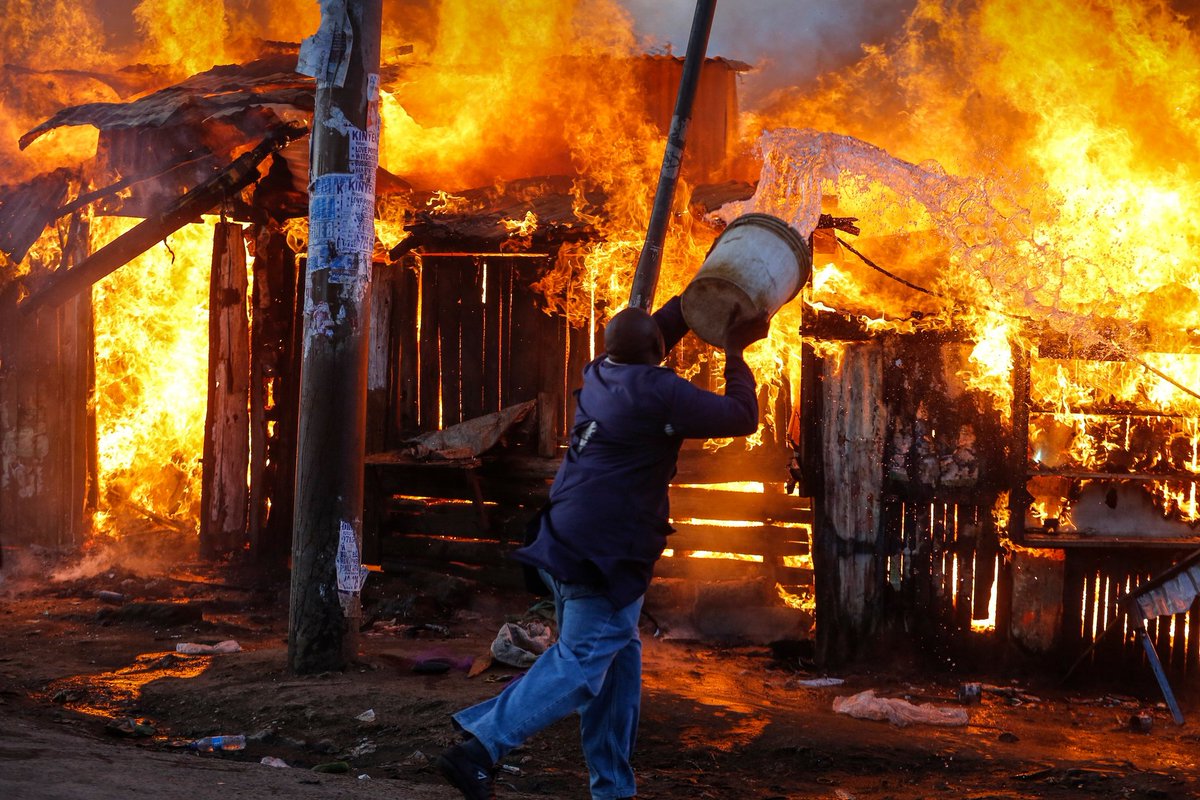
(210, 743)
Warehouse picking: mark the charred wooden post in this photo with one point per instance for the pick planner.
(327, 537)
(645, 277)
(1018, 497)
(848, 530)
(223, 488)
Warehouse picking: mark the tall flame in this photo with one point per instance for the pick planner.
(151, 375)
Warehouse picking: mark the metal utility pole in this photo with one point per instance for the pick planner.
(645, 277)
(327, 574)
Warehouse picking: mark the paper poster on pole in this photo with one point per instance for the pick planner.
(326, 54)
(351, 574)
(341, 228)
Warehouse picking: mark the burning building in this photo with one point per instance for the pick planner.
(988, 395)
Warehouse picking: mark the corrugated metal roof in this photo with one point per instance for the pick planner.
(26, 209)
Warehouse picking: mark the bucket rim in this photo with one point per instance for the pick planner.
(786, 232)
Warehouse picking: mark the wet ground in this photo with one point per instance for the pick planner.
(96, 703)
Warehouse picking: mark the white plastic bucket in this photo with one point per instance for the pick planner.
(757, 264)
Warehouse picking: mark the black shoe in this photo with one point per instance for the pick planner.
(469, 768)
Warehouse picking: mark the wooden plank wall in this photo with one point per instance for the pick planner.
(47, 425)
(1094, 582)
(941, 564)
(468, 337)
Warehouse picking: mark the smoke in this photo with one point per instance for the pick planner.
(788, 43)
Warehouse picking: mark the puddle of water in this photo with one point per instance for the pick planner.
(108, 694)
(730, 723)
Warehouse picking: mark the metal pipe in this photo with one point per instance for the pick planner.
(645, 277)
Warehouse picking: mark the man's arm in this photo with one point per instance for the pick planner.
(700, 414)
(671, 323)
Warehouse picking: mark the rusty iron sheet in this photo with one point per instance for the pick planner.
(220, 91)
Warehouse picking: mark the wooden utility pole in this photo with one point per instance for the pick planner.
(645, 277)
(327, 575)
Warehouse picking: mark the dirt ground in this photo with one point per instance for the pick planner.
(95, 703)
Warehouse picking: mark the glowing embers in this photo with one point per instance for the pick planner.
(110, 694)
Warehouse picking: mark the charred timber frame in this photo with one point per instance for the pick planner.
(241, 173)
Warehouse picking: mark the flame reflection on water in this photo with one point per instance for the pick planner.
(108, 694)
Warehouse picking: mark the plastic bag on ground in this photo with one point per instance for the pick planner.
(193, 649)
(865, 705)
(520, 644)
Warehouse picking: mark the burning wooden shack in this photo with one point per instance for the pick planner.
(996, 450)
(488, 302)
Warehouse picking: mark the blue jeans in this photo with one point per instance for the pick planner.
(594, 668)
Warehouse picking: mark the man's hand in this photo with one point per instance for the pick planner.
(747, 332)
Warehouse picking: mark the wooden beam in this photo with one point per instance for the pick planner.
(224, 492)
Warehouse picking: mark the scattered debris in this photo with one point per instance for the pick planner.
(433, 666)
(211, 743)
(127, 726)
(272, 761)
(865, 705)
(970, 694)
(1014, 695)
(819, 683)
(1142, 722)
(366, 716)
(193, 649)
(519, 644)
(481, 665)
(115, 598)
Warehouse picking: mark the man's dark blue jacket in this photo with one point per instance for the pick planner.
(607, 519)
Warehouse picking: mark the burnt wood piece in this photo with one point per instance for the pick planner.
(405, 350)
(986, 549)
(431, 360)
(451, 283)
(260, 301)
(707, 198)
(285, 321)
(965, 543)
(471, 340)
(497, 290)
(379, 355)
(768, 541)
(198, 99)
(840, 327)
(224, 493)
(472, 222)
